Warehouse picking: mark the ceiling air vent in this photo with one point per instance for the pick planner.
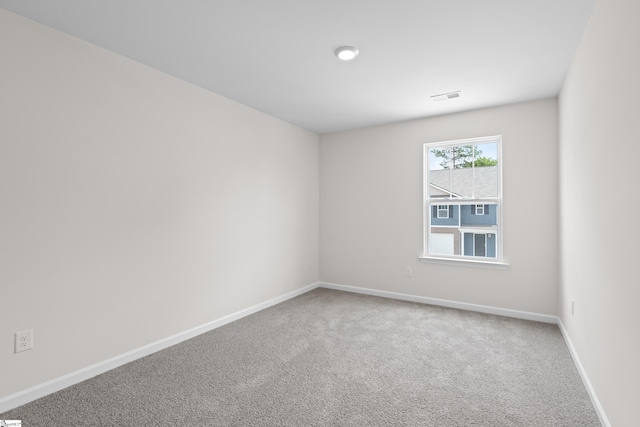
(446, 96)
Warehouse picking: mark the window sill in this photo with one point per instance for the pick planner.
(498, 264)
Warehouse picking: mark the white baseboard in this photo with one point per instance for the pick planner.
(25, 396)
(585, 378)
(445, 303)
(489, 310)
(56, 384)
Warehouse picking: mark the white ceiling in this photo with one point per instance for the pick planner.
(277, 55)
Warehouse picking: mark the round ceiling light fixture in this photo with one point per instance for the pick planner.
(346, 53)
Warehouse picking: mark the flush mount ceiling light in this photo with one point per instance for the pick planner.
(346, 53)
(446, 96)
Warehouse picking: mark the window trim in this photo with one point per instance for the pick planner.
(438, 209)
(500, 260)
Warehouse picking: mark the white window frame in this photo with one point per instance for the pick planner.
(480, 209)
(499, 261)
(444, 211)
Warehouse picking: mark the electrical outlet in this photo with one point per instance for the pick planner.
(573, 307)
(408, 272)
(24, 340)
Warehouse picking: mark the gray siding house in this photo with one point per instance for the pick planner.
(468, 229)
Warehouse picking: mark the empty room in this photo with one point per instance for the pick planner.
(335, 213)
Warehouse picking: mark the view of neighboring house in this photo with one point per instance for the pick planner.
(463, 227)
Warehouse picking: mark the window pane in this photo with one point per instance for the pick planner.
(439, 176)
(462, 181)
(486, 170)
(464, 171)
(443, 211)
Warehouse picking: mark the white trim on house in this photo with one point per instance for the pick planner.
(442, 189)
(491, 229)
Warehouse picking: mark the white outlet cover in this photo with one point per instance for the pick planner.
(23, 340)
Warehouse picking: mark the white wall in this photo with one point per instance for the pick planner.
(371, 208)
(599, 154)
(135, 206)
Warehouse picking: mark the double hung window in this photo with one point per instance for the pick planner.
(463, 200)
